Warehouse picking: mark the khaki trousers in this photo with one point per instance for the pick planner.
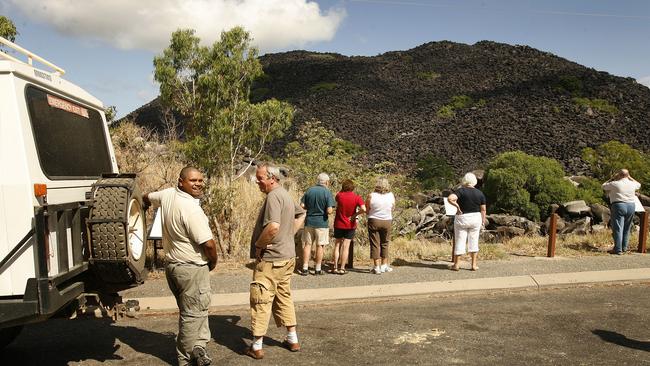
(190, 285)
(379, 235)
(270, 293)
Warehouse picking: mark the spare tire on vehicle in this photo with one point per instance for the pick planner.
(117, 229)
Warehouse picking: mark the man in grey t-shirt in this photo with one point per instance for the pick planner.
(273, 247)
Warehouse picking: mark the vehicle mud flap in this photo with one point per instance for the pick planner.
(117, 232)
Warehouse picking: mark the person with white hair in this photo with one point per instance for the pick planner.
(621, 189)
(471, 205)
(319, 204)
(274, 251)
(381, 204)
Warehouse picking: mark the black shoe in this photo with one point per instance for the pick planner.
(303, 272)
(319, 273)
(200, 356)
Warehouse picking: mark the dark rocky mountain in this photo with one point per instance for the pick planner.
(400, 105)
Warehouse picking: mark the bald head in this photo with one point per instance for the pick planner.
(186, 171)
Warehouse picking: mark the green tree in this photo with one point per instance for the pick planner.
(7, 28)
(525, 185)
(434, 172)
(210, 87)
(608, 158)
(110, 112)
(318, 150)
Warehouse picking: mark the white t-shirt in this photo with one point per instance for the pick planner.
(381, 206)
(184, 226)
(621, 190)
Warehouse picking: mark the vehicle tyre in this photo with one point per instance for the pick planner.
(7, 335)
(118, 234)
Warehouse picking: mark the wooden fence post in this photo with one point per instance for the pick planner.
(643, 232)
(552, 235)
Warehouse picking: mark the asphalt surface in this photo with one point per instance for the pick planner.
(225, 282)
(586, 325)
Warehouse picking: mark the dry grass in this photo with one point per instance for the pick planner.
(157, 164)
(566, 245)
(403, 250)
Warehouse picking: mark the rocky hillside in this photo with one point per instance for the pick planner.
(464, 103)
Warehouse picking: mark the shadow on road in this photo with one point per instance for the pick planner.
(401, 262)
(227, 332)
(59, 342)
(621, 340)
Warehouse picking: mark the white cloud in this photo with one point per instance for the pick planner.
(148, 24)
(644, 81)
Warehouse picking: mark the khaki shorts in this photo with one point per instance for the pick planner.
(311, 235)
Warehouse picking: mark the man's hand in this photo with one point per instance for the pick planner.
(210, 249)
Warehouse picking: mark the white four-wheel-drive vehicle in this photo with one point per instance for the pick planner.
(72, 228)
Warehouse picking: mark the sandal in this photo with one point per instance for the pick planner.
(334, 271)
(342, 272)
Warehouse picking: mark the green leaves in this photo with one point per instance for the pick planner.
(526, 185)
(317, 150)
(608, 158)
(211, 86)
(7, 28)
(434, 172)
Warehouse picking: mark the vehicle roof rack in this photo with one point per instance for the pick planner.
(30, 56)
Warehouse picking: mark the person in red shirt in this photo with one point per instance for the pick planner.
(348, 206)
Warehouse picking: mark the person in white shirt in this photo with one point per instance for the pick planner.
(380, 205)
(621, 189)
(190, 253)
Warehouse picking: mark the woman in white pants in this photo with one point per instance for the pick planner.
(470, 203)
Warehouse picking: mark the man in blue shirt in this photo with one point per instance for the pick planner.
(319, 204)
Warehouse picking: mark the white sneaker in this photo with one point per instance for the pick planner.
(386, 269)
(376, 270)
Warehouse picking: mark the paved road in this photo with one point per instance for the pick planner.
(594, 325)
(408, 272)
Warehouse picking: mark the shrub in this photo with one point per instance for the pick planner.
(322, 56)
(316, 150)
(571, 84)
(434, 172)
(525, 185)
(323, 86)
(459, 102)
(600, 105)
(427, 75)
(590, 190)
(446, 111)
(259, 94)
(608, 158)
(157, 163)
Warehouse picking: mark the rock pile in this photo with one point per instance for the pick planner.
(521, 99)
(576, 217)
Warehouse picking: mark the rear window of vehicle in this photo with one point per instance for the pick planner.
(69, 137)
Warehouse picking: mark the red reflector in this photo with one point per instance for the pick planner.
(40, 190)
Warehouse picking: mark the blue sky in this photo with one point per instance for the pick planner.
(107, 47)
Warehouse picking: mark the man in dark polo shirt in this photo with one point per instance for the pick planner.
(319, 204)
(273, 247)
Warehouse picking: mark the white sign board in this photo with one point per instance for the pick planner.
(155, 231)
(638, 207)
(450, 210)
